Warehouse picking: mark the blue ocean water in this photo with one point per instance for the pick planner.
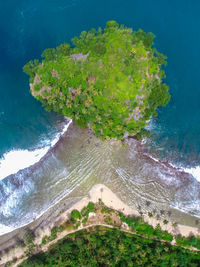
(27, 27)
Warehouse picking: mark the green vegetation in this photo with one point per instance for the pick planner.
(105, 210)
(110, 80)
(190, 241)
(10, 263)
(143, 245)
(78, 218)
(138, 226)
(75, 214)
(165, 222)
(29, 242)
(101, 246)
(86, 210)
(68, 225)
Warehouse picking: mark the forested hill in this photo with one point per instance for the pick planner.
(110, 79)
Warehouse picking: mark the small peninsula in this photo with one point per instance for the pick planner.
(109, 80)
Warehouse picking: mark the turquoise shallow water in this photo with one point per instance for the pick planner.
(26, 28)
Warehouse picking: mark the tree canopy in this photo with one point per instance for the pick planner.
(102, 246)
(109, 80)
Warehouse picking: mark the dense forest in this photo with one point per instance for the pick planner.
(109, 80)
(102, 246)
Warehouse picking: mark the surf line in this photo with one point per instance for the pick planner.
(16, 160)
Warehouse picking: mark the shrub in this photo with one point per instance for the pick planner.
(100, 202)
(84, 212)
(61, 228)
(54, 231)
(192, 241)
(75, 214)
(105, 210)
(85, 220)
(108, 220)
(128, 220)
(150, 214)
(91, 206)
(77, 225)
(44, 240)
(30, 250)
(167, 236)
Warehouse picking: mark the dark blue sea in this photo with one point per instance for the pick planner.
(27, 27)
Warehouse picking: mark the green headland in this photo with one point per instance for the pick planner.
(110, 80)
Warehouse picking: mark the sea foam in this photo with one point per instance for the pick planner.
(16, 160)
(195, 171)
(5, 229)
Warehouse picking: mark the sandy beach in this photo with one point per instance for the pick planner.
(55, 217)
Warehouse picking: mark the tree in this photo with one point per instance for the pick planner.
(110, 80)
(112, 24)
(101, 246)
(31, 67)
(99, 48)
(49, 54)
(75, 214)
(63, 49)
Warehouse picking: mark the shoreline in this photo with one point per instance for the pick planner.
(139, 147)
(43, 225)
(34, 155)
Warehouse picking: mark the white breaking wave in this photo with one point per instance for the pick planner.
(16, 160)
(53, 142)
(195, 171)
(187, 207)
(5, 229)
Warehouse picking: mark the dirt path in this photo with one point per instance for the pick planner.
(111, 201)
